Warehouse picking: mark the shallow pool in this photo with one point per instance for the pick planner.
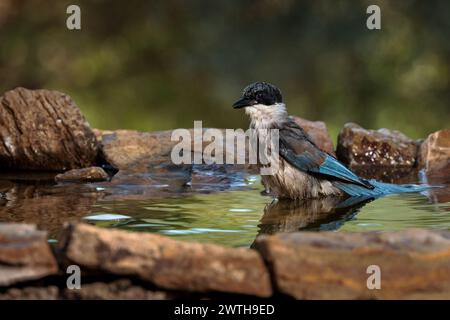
(234, 216)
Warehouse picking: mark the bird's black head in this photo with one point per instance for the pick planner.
(259, 93)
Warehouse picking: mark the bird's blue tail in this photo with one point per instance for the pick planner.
(380, 188)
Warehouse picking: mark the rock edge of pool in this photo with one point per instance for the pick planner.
(44, 138)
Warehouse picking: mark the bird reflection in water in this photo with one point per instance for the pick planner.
(309, 214)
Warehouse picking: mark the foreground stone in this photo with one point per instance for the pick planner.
(434, 156)
(44, 130)
(122, 289)
(91, 174)
(24, 254)
(317, 130)
(383, 147)
(167, 263)
(414, 264)
(31, 293)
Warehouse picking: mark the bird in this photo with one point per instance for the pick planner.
(305, 171)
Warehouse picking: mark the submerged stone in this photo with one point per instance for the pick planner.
(91, 174)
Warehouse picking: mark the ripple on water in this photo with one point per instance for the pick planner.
(106, 217)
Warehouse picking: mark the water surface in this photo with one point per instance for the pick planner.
(233, 216)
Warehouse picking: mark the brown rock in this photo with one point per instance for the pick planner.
(317, 130)
(127, 148)
(122, 289)
(167, 263)
(31, 293)
(24, 254)
(434, 155)
(135, 151)
(397, 175)
(434, 163)
(361, 147)
(414, 264)
(43, 130)
(90, 174)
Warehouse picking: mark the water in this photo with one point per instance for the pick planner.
(233, 217)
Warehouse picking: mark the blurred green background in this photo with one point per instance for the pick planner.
(153, 65)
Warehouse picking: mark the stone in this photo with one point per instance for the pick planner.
(383, 147)
(122, 289)
(396, 175)
(135, 150)
(24, 254)
(434, 155)
(434, 165)
(44, 130)
(317, 130)
(91, 174)
(31, 293)
(126, 148)
(414, 264)
(166, 263)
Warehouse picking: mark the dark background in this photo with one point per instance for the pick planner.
(153, 65)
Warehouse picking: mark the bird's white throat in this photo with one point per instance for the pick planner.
(266, 117)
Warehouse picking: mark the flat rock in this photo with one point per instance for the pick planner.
(163, 261)
(134, 150)
(44, 130)
(91, 174)
(317, 130)
(434, 155)
(24, 254)
(383, 147)
(414, 264)
(126, 148)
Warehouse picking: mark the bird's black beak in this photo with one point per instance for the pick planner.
(243, 102)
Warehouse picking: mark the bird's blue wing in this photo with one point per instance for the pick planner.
(297, 149)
